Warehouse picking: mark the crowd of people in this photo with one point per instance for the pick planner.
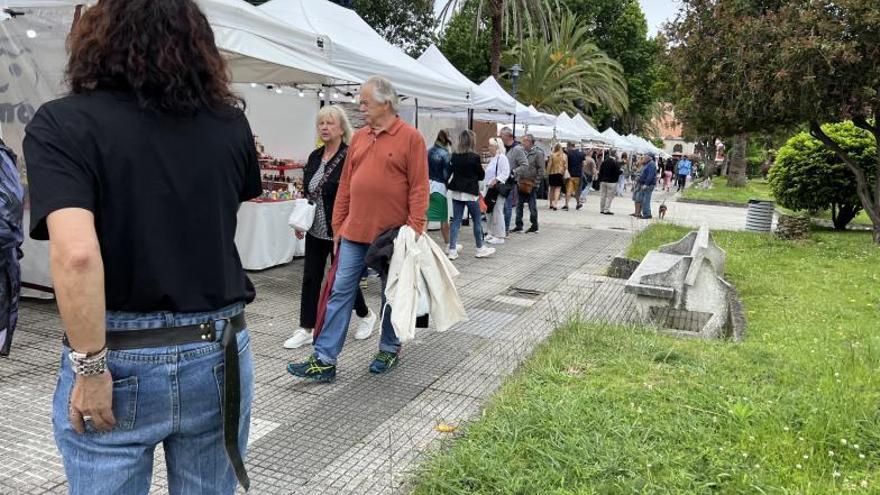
(136, 178)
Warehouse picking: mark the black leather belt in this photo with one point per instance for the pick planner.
(204, 332)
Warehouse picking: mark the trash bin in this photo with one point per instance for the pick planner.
(760, 216)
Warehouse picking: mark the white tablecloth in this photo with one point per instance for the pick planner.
(263, 238)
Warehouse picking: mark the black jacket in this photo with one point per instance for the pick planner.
(609, 171)
(331, 187)
(467, 172)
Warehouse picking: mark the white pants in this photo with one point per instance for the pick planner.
(496, 219)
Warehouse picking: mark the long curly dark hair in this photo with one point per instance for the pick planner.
(160, 51)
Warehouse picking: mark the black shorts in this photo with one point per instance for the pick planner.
(556, 180)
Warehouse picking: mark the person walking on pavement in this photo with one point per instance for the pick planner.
(384, 185)
(609, 175)
(648, 181)
(497, 175)
(626, 168)
(556, 175)
(528, 177)
(321, 182)
(577, 175)
(136, 178)
(439, 171)
(685, 168)
(516, 158)
(464, 189)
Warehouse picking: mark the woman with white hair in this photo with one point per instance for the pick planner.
(497, 174)
(320, 183)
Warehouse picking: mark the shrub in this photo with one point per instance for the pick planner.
(808, 176)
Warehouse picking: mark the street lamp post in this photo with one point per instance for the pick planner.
(515, 72)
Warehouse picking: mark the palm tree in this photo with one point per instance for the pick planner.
(568, 69)
(521, 17)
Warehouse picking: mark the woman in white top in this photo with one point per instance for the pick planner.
(497, 172)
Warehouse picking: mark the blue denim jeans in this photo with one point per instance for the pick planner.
(647, 192)
(348, 274)
(168, 395)
(508, 207)
(473, 208)
(532, 200)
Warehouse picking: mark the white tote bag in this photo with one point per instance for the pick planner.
(302, 216)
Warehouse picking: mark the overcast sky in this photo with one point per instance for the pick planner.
(658, 12)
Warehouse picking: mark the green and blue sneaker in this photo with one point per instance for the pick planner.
(313, 369)
(384, 362)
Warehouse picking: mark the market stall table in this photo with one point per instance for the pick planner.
(263, 237)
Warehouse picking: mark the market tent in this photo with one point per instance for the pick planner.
(590, 131)
(481, 99)
(617, 140)
(352, 45)
(257, 47)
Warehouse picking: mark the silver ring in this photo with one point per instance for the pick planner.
(87, 419)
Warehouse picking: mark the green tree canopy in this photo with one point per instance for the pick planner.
(466, 49)
(808, 176)
(750, 65)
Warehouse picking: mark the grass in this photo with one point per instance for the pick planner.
(607, 410)
(755, 189)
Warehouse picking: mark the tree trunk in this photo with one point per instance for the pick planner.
(737, 162)
(842, 215)
(497, 32)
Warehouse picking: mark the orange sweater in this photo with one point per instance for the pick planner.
(384, 183)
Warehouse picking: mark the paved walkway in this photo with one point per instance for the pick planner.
(363, 434)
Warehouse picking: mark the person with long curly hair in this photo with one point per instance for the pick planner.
(136, 178)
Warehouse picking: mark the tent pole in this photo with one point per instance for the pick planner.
(471, 119)
(417, 113)
(514, 126)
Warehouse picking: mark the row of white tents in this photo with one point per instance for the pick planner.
(318, 43)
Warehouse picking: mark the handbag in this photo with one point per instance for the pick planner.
(491, 198)
(303, 215)
(526, 186)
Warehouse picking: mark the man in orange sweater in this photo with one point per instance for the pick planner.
(384, 185)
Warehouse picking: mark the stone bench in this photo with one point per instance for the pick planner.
(680, 287)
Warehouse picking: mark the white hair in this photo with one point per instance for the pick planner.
(335, 112)
(498, 145)
(383, 91)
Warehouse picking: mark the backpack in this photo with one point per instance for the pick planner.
(11, 238)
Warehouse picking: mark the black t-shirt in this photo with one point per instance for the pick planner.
(467, 172)
(576, 160)
(165, 192)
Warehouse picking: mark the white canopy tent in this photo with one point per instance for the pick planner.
(617, 141)
(352, 45)
(257, 47)
(482, 99)
(592, 134)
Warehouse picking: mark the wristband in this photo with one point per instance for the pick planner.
(88, 364)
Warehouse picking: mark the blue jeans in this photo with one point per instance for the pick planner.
(508, 207)
(168, 395)
(476, 219)
(532, 200)
(348, 275)
(647, 192)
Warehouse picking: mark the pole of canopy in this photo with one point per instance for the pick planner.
(471, 119)
(417, 113)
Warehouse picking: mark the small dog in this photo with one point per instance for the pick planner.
(663, 209)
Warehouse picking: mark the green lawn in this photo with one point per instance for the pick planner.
(795, 409)
(755, 189)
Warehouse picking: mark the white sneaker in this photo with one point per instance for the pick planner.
(484, 252)
(452, 254)
(495, 240)
(488, 239)
(300, 338)
(365, 327)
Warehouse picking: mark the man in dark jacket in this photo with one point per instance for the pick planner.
(11, 237)
(647, 181)
(609, 175)
(534, 170)
(516, 157)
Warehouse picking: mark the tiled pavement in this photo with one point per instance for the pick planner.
(362, 434)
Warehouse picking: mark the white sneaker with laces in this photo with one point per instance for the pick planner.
(300, 338)
(495, 240)
(484, 252)
(365, 327)
(452, 254)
